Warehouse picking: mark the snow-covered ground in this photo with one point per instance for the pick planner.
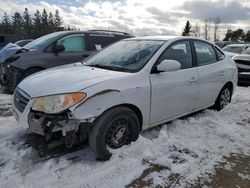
(188, 147)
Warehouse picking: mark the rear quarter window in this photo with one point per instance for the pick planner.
(97, 42)
(219, 53)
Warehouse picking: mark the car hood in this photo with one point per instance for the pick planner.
(66, 79)
(242, 57)
(230, 54)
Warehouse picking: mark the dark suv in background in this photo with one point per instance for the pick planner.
(5, 39)
(52, 50)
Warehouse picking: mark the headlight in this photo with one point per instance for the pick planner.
(57, 103)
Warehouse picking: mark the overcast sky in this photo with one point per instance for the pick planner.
(141, 17)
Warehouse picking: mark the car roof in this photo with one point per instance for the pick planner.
(164, 38)
(106, 32)
(237, 45)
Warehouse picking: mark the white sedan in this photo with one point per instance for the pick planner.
(130, 86)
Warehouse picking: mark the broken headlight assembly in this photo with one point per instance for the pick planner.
(57, 103)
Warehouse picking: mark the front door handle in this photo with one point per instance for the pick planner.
(193, 79)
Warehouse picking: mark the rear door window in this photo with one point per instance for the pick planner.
(205, 53)
(96, 41)
(75, 43)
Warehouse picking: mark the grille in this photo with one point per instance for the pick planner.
(21, 99)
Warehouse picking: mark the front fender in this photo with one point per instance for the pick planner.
(97, 103)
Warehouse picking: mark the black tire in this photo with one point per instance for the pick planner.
(223, 98)
(113, 129)
(28, 73)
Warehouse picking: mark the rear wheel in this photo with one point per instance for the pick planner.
(115, 128)
(224, 98)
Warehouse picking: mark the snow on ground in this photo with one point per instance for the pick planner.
(189, 147)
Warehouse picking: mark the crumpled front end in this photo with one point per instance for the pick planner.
(63, 124)
(8, 76)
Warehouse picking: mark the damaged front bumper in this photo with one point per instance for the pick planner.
(42, 124)
(47, 125)
(8, 77)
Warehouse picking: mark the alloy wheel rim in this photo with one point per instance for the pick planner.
(225, 98)
(118, 134)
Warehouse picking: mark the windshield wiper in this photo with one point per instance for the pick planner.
(103, 67)
(121, 69)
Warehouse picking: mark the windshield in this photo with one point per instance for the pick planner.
(42, 41)
(127, 56)
(247, 51)
(234, 49)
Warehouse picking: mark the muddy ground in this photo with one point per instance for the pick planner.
(235, 173)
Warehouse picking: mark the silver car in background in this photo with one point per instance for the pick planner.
(243, 63)
(235, 49)
(132, 85)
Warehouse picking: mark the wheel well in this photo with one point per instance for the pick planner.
(230, 85)
(28, 69)
(132, 107)
(31, 68)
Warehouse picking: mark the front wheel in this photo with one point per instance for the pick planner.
(224, 98)
(115, 128)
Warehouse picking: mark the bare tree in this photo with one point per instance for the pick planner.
(196, 30)
(217, 22)
(206, 29)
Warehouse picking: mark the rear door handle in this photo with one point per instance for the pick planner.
(193, 79)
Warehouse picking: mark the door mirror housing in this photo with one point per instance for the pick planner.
(168, 66)
(59, 48)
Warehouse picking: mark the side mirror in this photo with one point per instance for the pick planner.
(59, 48)
(168, 66)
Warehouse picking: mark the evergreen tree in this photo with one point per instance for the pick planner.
(228, 35)
(37, 24)
(247, 38)
(58, 21)
(51, 23)
(44, 24)
(32, 26)
(237, 35)
(17, 23)
(27, 22)
(187, 29)
(6, 24)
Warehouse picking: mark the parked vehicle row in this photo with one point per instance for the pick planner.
(132, 85)
(240, 53)
(235, 49)
(52, 50)
(243, 63)
(5, 39)
(22, 43)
